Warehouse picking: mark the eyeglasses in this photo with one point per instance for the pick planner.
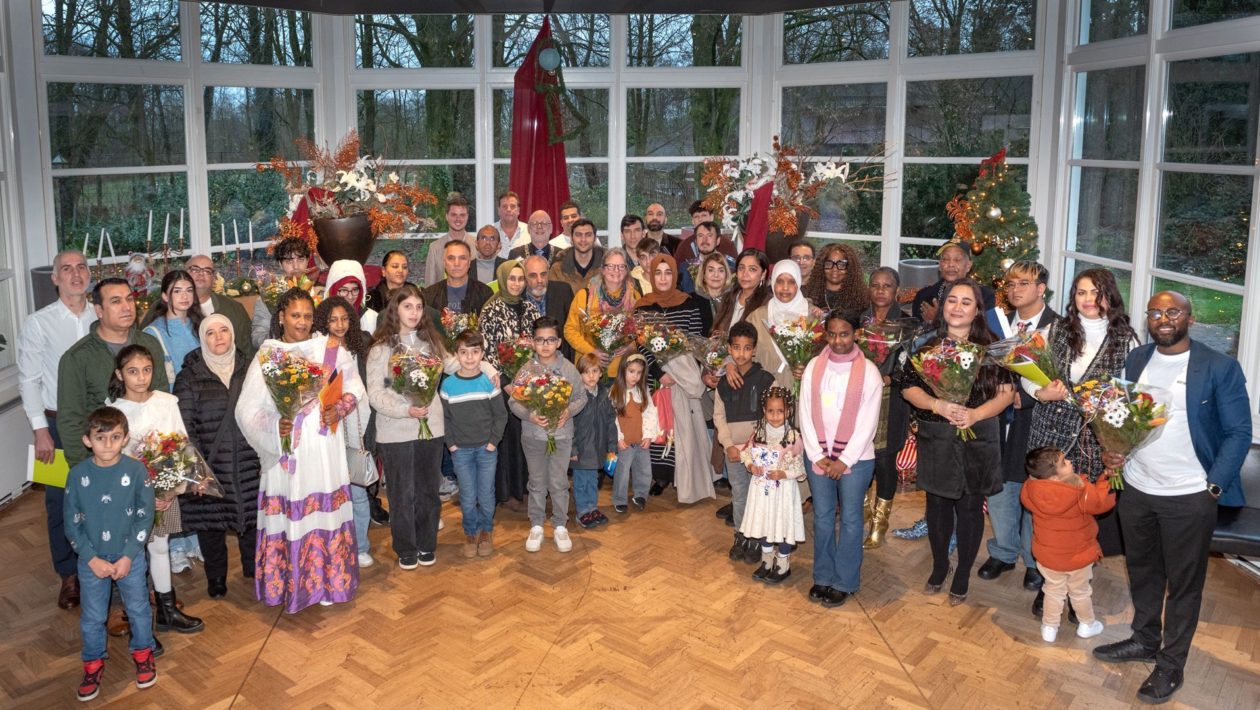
(841, 264)
(547, 341)
(616, 267)
(1169, 314)
(347, 290)
(487, 237)
(540, 224)
(200, 270)
(1020, 284)
(801, 259)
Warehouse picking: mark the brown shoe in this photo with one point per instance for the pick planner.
(116, 624)
(515, 505)
(68, 597)
(485, 545)
(470, 546)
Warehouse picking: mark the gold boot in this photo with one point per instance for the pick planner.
(879, 524)
(868, 508)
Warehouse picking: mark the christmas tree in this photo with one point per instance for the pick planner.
(994, 220)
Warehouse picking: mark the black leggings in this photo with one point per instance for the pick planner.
(885, 474)
(940, 521)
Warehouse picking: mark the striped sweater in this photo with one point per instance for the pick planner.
(475, 411)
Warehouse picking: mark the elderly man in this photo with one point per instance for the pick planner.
(540, 242)
(655, 215)
(202, 271)
(486, 263)
(1173, 485)
(511, 228)
(578, 264)
(954, 263)
(456, 222)
(46, 335)
(552, 298)
(457, 291)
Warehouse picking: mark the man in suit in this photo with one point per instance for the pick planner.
(540, 241)
(552, 298)
(1173, 485)
(201, 268)
(954, 262)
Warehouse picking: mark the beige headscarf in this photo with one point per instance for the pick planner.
(221, 365)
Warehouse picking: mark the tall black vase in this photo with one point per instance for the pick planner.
(344, 238)
(778, 245)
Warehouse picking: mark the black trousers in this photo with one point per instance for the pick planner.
(1166, 539)
(64, 560)
(413, 472)
(214, 549)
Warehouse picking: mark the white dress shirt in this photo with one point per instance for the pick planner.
(47, 334)
(507, 240)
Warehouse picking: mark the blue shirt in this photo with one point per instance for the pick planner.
(178, 339)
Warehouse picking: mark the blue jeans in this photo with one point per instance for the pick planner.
(64, 560)
(838, 563)
(362, 516)
(634, 464)
(1012, 526)
(585, 490)
(475, 469)
(94, 594)
(739, 479)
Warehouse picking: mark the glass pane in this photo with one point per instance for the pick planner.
(1217, 315)
(1213, 108)
(588, 187)
(919, 251)
(591, 104)
(416, 123)
(958, 27)
(582, 40)
(1112, 19)
(115, 125)
(835, 120)
(241, 34)
(968, 117)
(413, 41)
(8, 357)
(682, 122)
(1203, 224)
(1072, 267)
(926, 190)
(836, 34)
(684, 40)
(845, 211)
(120, 204)
(245, 197)
(674, 185)
(1103, 212)
(247, 124)
(140, 29)
(442, 180)
(1111, 103)
(1187, 13)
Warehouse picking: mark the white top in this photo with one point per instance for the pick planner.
(46, 335)
(1095, 333)
(1166, 465)
(207, 307)
(835, 381)
(160, 413)
(560, 241)
(506, 241)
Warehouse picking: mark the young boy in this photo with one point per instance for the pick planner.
(475, 418)
(735, 414)
(594, 438)
(548, 473)
(1065, 536)
(109, 511)
(643, 253)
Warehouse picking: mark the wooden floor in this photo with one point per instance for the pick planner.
(645, 612)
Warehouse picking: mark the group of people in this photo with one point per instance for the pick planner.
(299, 491)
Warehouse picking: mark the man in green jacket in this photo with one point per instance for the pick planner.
(84, 370)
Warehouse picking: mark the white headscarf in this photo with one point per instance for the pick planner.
(221, 365)
(776, 310)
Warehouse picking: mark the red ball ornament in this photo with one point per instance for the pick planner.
(977, 248)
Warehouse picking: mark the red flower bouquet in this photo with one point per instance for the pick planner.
(950, 369)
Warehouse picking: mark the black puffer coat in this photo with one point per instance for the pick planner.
(207, 406)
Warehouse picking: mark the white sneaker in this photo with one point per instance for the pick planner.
(533, 543)
(325, 602)
(563, 542)
(1089, 631)
(441, 523)
(365, 560)
(1049, 633)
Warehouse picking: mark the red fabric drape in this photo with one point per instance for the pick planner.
(758, 226)
(538, 171)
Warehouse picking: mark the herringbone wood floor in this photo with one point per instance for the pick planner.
(645, 612)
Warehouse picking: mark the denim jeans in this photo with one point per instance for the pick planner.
(475, 469)
(838, 562)
(739, 478)
(362, 516)
(634, 465)
(1012, 526)
(585, 490)
(94, 594)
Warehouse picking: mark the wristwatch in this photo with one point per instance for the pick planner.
(1214, 489)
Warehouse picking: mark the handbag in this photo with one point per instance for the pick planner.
(360, 462)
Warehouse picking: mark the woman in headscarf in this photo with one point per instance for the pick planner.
(786, 303)
(208, 387)
(505, 318)
(682, 459)
(608, 292)
(345, 279)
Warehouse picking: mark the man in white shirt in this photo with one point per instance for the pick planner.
(511, 228)
(456, 224)
(570, 213)
(201, 268)
(46, 335)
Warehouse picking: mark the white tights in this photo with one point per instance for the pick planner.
(160, 563)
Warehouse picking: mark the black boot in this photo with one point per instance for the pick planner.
(216, 587)
(752, 552)
(379, 516)
(737, 550)
(170, 618)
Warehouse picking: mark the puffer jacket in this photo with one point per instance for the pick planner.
(1065, 534)
(207, 406)
(594, 431)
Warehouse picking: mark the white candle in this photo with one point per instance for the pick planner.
(251, 235)
(181, 226)
(87, 236)
(223, 235)
(166, 231)
(100, 245)
(236, 236)
(149, 237)
(109, 241)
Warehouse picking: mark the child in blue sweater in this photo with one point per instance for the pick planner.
(108, 513)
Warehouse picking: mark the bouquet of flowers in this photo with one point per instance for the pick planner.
(415, 375)
(455, 322)
(663, 340)
(766, 460)
(950, 369)
(878, 340)
(1122, 414)
(545, 394)
(512, 356)
(712, 353)
(610, 331)
(1027, 355)
(798, 339)
(174, 466)
(294, 383)
(272, 286)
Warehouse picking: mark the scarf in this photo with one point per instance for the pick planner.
(777, 311)
(345, 281)
(221, 365)
(835, 444)
(501, 275)
(665, 299)
(599, 301)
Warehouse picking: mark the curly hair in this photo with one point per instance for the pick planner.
(789, 404)
(356, 341)
(854, 294)
(286, 299)
(1109, 301)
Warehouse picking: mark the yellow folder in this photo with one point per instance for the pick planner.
(49, 474)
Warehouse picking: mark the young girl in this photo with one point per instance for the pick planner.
(130, 391)
(594, 438)
(637, 425)
(174, 321)
(773, 455)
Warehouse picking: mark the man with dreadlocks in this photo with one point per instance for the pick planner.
(774, 456)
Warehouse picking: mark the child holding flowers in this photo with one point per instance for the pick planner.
(774, 455)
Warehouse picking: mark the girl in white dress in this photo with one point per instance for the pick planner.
(774, 457)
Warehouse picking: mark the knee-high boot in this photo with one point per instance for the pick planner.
(879, 524)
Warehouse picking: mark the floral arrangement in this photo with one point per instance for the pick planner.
(173, 464)
(878, 340)
(1122, 414)
(610, 332)
(293, 382)
(415, 375)
(512, 356)
(658, 337)
(766, 459)
(798, 339)
(342, 183)
(272, 286)
(712, 353)
(1027, 355)
(950, 369)
(243, 286)
(455, 322)
(545, 394)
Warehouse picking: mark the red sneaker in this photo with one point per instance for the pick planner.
(146, 671)
(90, 686)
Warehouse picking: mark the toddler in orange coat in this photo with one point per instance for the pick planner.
(1065, 536)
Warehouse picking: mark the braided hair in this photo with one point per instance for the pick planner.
(789, 403)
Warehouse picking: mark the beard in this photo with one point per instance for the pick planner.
(655, 225)
(1166, 339)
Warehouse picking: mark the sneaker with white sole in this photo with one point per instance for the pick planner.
(563, 542)
(365, 560)
(533, 543)
(1090, 630)
(1049, 633)
(441, 524)
(448, 489)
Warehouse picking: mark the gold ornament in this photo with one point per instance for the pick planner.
(1006, 264)
(977, 248)
(994, 212)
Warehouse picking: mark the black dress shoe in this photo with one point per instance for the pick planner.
(216, 587)
(1160, 686)
(725, 511)
(834, 598)
(657, 488)
(776, 575)
(737, 550)
(993, 568)
(818, 592)
(377, 513)
(1127, 651)
(1033, 580)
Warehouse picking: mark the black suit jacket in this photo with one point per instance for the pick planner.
(1017, 422)
(559, 299)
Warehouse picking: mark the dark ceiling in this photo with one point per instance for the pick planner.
(482, 7)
